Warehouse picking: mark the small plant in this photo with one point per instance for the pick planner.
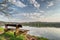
(41, 38)
(1, 29)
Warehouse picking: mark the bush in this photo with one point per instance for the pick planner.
(13, 37)
(9, 34)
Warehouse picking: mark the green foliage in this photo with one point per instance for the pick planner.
(22, 37)
(2, 38)
(9, 34)
(41, 38)
(1, 29)
(13, 37)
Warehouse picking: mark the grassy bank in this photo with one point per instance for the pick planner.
(1, 29)
(10, 36)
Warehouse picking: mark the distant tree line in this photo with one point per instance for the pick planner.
(42, 24)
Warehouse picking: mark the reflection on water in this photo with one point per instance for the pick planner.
(51, 33)
(47, 32)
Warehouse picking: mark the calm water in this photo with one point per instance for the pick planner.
(47, 32)
(50, 33)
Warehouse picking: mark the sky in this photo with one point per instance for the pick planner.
(31, 11)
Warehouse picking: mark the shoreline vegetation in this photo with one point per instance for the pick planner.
(42, 24)
(10, 36)
(34, 24)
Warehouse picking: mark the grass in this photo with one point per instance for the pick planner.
(42, 38)
(1, 29)
(10, 36)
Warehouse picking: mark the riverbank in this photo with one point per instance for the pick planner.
(10, 36)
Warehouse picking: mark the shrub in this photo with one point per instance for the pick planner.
(13, 37)
(9, 34)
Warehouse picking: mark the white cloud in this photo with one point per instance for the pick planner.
(18, 3)
(42, 11)
(9, 19)
(50, 4)
(2, 18)
(35, 3)
(34, 15)
(29, 16)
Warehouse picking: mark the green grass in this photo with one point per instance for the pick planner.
(10, 36)
(1, 29)
(2, 38)
(41, 38)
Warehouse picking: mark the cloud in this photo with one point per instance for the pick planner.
(50, 4)
(33, 15)
(35, 3)
(18, 3)
(9, 19)
(42, 11)
(2, 18)
(28, 16)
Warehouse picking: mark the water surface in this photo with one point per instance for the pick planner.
(47, 32)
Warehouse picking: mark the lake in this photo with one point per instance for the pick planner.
(47, 32)
(51, 33)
